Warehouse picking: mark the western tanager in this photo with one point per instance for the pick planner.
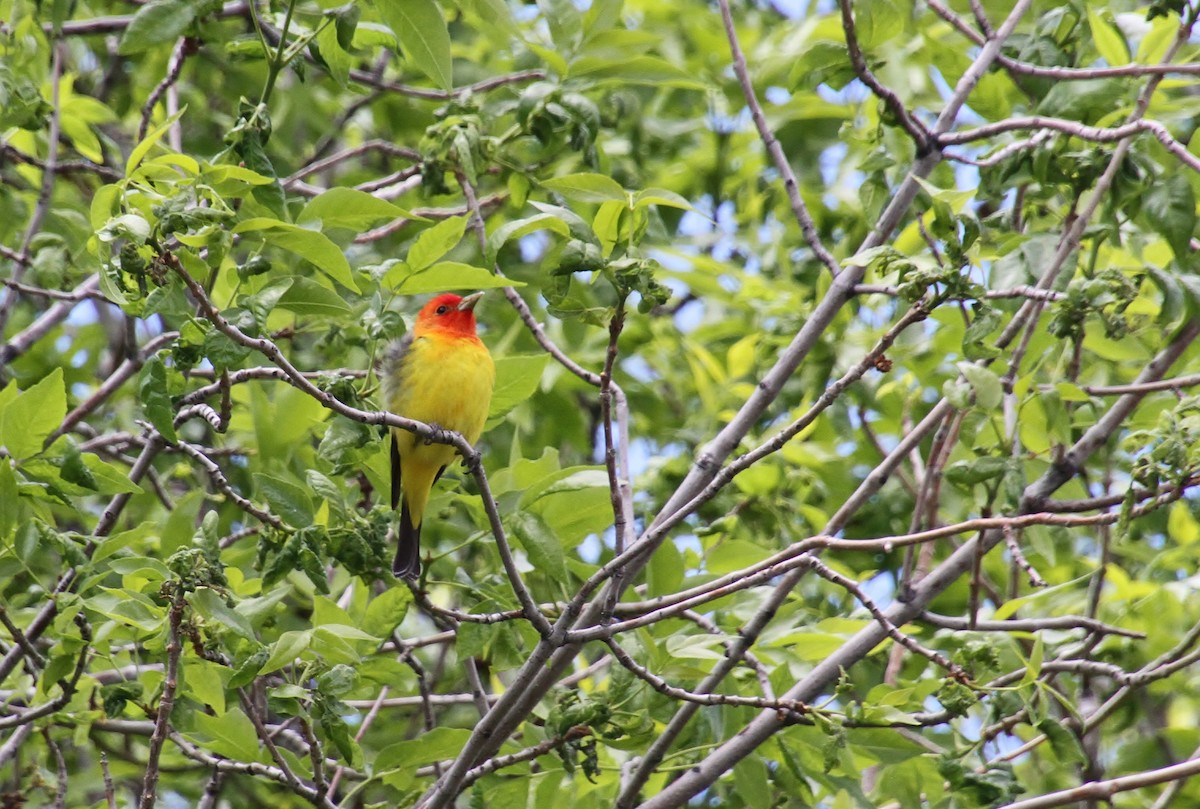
(442, 374)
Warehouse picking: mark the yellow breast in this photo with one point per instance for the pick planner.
(447, 382)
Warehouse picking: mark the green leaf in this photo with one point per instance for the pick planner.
(969, 473)
(212, 607)
(328, 491)
(345, 23)
(551, 57)
(565, 22)
(445, 276)
(1154, 44)
(204, 682)
(878, 22)
(287, 650)
(664, 572)
(1086, 100)
(152, 137)
(661, 196)
(232, 734)
(987, 386)
(522, 227)
(1063, 742)
(1070, 392)
(647, 70)
(601, 16)
(1170, 209)
(227, 178)
(1108, 40)
(288, 501)
(310, 245)
(496, 16)
(306, 297)
(338, 680)
(571, 479)
(350, 208)
(329, 52)
(821, 62)
(143, 566)
(386, 611)
(29, 419)
(1033, 666)
(587, 187)
(1014, 605)
(517, 379)
(541, 545)
(435, 242)
(421, 29)
(332, 645)
(337, 731)
(574, 503)
(435, 745)
(115, 696)
(346, 632)
(129, 608)
(248, 669)
(696, 647)
(607, 226)
(10, 509)
(156, 23)
(752, 783)
(156, 402)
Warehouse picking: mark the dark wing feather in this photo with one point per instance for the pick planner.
(395, 472)
(407, 563)
(391, 368)
(391, 380)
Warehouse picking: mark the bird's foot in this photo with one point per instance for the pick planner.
(440, 434)
(472, 461)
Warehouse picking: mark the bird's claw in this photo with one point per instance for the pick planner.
(439, 434)
(471, 462)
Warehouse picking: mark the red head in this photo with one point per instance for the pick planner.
(448, 314)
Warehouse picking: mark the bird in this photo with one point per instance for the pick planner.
(440, 373)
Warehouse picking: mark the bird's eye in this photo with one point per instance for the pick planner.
(441, 310)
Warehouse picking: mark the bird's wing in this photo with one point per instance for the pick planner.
(395, 472)
(391, 368)
(391, 382)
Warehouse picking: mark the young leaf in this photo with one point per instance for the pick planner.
(435, 242)
(517, 377)
(988, 390)
(349, 208)
(541, 545)
(421, 29)
(522, 227)
(306, 297)
(157, 23)
(156, 402)
(1108, 40)
(30, 418)
(445, 276)
(587, 187)
(307, 244)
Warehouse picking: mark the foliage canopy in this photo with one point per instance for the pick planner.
(843, 446)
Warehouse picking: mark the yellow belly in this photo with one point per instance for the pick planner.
(448, 383)
(443, 382)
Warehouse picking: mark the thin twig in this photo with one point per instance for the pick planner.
(166, 702)
(183, 48)
(784, 166)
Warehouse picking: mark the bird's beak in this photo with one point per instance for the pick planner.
(468, 303)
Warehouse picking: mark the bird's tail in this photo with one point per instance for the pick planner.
(407, 564)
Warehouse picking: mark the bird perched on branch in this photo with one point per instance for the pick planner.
(442, 374)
